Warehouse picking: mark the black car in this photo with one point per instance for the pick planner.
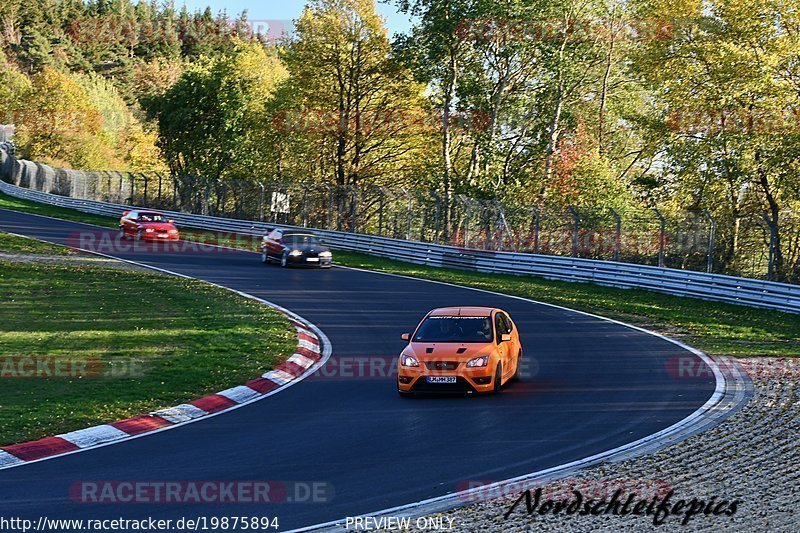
(295, 248)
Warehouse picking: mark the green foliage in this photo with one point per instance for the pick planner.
(207, 115)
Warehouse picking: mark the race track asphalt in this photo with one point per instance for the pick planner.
(593, 385)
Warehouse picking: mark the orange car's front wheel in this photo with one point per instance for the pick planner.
(498, 378)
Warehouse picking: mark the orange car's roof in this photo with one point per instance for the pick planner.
(462, 311)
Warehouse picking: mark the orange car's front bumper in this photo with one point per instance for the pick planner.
(414, 378)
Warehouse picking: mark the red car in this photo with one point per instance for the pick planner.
(147, 226)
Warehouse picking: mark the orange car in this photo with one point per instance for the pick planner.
(460, 349)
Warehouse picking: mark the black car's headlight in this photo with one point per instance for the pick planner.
(325, 255)
(296, 253)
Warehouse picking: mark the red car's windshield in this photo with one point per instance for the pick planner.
(152, 217)
(467, 329)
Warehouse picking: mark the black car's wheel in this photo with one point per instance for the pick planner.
(498, 379)
(264, 256)
(518, 372)
(285, 260)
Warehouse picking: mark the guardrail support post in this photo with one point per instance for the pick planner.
(575, 230)
(712, 229)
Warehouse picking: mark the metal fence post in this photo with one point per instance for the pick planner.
(305, 205)
(353, 209)
(381, 201)
(438, 216)
(662, 237)
(771, 257)
(575, 230)
(330, 205)
(618, 236)
(207, 198)
(535, 225)
(261, 200)
(224, 199)
(712, 229)
(409, 213)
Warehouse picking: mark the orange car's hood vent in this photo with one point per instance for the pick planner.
(445, 350)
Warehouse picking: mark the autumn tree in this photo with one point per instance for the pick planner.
(348, 100)
(207, 115)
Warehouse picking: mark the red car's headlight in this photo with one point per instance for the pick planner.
(479, 362)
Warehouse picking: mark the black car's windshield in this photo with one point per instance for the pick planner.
(301, 240)
(455, 329)
(152, 217)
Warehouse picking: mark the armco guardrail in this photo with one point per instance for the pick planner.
(716, 287)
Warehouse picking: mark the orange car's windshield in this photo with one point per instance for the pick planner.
(467, 329)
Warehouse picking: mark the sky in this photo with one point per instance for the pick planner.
(278, 10)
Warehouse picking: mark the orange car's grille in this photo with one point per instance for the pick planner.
(441, 365)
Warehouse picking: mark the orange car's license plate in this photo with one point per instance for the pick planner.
(440, 380)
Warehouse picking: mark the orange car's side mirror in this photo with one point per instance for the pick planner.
(406, 337)
(505, 337)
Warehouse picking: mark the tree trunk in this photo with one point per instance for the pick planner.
(774, 216)
(447, 170)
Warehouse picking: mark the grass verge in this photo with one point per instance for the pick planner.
(717, 328)
(147, 341)
(11, 244)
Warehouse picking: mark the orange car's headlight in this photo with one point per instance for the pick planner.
(407, 360)
(478, 362)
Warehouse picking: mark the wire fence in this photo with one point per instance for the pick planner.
(748, 245)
